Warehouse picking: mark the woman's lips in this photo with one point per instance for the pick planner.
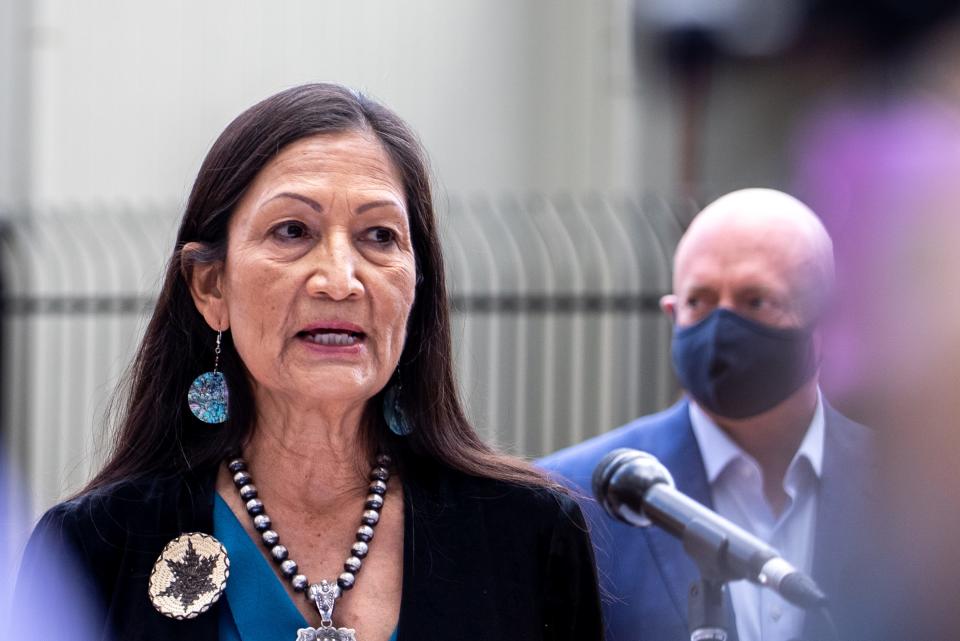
(333, 337)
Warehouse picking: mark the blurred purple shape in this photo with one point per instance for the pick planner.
(874, 171)
(886, 180)
(44, 587)
(11, 539)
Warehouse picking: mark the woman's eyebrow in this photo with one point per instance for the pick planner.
(317, 207)
(377, 203)
(314, 205)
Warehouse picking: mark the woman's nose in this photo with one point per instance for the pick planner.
(334, 269)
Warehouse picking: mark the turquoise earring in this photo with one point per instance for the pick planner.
(208, 396)
(393, 413)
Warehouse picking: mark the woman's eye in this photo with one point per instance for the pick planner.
(381, 235)
(290, 231)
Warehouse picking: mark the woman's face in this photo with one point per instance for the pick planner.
(320, 273)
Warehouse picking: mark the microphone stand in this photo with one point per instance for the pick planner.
(706, 609)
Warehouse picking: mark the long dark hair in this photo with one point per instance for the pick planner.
(157, 435)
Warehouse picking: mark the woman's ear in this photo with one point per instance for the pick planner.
(205, 280)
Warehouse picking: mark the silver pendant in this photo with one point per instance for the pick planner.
(324, 595)
(324, 633)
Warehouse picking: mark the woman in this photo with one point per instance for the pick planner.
(308, 273)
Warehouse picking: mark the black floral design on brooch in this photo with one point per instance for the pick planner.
(191, 576)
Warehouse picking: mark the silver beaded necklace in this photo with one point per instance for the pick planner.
(323, 595)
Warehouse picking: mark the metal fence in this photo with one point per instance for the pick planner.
(556, 328)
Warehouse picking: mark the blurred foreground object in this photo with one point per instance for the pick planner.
(885, 179)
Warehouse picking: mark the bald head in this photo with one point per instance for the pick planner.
(759, 252)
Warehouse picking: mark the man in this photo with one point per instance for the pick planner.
(753, 439)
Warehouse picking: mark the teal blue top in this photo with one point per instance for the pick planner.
(257, 606)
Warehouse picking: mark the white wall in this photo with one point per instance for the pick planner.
(14, 101)
(507, 95)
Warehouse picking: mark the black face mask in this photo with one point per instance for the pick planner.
(736, 368)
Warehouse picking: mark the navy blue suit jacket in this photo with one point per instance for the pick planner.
(645, 572)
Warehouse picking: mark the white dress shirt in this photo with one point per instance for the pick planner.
(736, 483)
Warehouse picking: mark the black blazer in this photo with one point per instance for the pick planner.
(482, 560)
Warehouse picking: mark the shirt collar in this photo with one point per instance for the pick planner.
(718, 450)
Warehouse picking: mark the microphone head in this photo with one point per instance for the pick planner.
(621, 480)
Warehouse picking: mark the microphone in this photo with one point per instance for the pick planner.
(635, 488)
